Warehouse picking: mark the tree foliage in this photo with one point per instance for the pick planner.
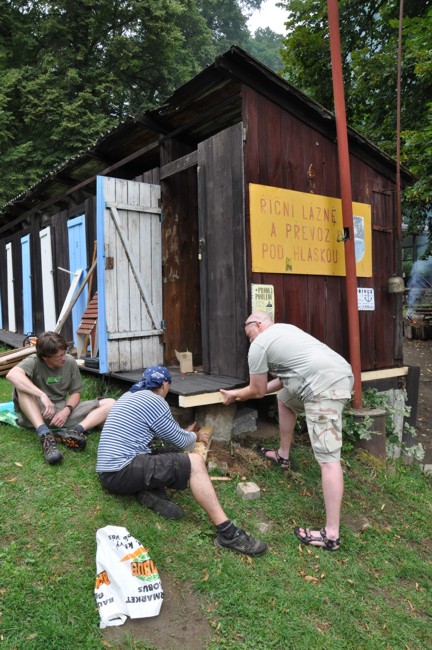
(265, 45)
(72, 69)
(369, 40)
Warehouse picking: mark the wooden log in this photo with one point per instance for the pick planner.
(17, 354)
(202, 448)
(7, 365)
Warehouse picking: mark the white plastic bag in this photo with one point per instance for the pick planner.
(127, 581)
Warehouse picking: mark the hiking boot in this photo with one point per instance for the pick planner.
(51, 453)
(158, 501)
(71, 438)
(242, 543)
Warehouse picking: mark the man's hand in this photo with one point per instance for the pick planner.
(229, 396)
(60, 418)
(49, 407)
(193, 427)
(202, 436)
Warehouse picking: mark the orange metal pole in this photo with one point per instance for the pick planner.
(346, 196)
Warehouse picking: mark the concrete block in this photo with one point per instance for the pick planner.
(245, 420)
(219, 417)
(248, 491)
(245, 411)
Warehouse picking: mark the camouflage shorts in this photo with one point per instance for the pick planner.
(323, 418)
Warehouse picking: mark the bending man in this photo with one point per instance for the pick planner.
(47, 387)
(310, 378)
(126, 464)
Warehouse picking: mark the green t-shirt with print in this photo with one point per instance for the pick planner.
(57, 383)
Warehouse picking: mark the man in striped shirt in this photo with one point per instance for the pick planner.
(127, 463)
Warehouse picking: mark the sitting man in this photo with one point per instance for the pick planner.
(47, 387)
(127, 465)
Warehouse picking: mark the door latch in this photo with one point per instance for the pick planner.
(201, 243)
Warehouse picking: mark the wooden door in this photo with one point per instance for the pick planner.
(26, 285)
(77, 260)
(48, 295)
(222, 247)
(10, 289)
(129, 263)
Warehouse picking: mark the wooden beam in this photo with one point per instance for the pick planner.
(186, 401)
(204, 399)
(385, 373)
(67, 311)
(179, 165)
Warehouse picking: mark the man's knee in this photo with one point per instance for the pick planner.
(197, 463)
(107, 403)
(283, 407)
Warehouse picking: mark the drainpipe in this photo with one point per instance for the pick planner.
(346, 196)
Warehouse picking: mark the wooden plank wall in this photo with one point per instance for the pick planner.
(58, 225)
(279, 151)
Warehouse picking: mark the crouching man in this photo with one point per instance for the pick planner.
(127, 465)
(47, 387)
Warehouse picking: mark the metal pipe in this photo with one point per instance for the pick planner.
(398, 126)
(346, 196)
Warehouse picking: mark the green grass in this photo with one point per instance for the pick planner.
(374, 594)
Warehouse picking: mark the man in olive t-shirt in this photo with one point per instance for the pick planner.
(47, 387)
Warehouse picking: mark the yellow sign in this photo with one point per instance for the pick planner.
(296, 232)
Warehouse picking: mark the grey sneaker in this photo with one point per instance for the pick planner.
(158, 501)
(242, 543)
(71, 438)
(51, 453)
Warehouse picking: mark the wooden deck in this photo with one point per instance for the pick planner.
(193, 389)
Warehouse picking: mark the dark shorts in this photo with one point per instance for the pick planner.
(149, 471)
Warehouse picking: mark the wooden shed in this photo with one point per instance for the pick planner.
(183, 201)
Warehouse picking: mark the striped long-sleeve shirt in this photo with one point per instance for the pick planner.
(133, 422)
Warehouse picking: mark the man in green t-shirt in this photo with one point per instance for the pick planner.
(47, 387)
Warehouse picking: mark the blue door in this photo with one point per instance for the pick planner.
(77, 260)
(26, 285)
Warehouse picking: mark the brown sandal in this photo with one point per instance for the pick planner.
(321, 541)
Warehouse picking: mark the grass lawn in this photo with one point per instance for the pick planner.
(375, 593)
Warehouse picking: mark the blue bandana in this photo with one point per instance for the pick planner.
(153, 377)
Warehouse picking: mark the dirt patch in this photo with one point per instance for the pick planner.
(180, 623)
(419, 353)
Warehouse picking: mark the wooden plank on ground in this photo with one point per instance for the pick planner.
(202, 448)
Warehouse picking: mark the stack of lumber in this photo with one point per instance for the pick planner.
(10, 359)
